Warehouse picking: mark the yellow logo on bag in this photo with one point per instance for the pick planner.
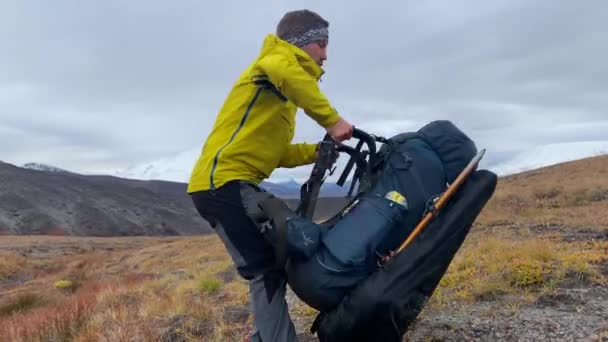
(396, 197)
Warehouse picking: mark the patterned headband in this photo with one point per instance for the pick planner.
(310, 36)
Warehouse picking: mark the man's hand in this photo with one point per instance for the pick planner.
(341, 130)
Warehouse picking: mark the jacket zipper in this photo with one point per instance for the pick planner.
(241, 124)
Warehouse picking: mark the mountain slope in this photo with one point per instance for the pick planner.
(43, 202)
(571, 194)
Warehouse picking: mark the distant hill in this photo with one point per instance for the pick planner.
(560, 196)
(43, 199)
(40, 199)
(50, 202)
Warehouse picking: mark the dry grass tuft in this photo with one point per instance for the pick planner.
(573, 195)
(10, 264)
(490, 268)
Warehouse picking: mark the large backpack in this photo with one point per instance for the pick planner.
(405, 176)
(368, 301)
(383, 306)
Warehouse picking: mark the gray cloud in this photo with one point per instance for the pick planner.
(95, 87)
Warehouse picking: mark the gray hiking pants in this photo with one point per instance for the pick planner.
(232, 210)
(271, 320)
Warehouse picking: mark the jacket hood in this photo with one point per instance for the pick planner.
(273, 44)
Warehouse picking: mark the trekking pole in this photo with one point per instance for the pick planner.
(440, 203)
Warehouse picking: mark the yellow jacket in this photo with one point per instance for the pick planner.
(253, 131)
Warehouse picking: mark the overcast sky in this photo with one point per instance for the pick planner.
(100, 86)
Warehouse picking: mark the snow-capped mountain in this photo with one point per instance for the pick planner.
(290, 189)
(550, 154)
(178, 168)
(42, 167)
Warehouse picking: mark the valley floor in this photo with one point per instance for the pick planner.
(506, 283)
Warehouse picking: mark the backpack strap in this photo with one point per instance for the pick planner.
(266, 84)
(278, 212)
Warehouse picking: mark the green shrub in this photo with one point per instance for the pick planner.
(209, 285)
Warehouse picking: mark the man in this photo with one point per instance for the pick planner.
(250, 138)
